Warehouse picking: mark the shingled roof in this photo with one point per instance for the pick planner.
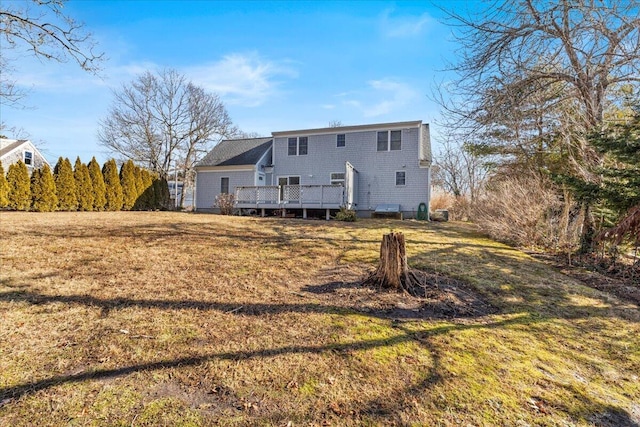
(234, 152)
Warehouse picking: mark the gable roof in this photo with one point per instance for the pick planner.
(8, 145)
(345, 129)
(234, 152)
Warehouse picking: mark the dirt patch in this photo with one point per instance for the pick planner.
(620, 280)
(441, 297)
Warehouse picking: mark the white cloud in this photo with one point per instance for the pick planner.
(382, 97)
(404, 26)
(239, 79)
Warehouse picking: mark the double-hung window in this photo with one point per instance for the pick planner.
(337, 178)
(224, 185)
(389, 140)
(28, 158)
(298, 146)
(401, 178)
(340, 140)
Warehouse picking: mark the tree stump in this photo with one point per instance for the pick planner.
(393, 271)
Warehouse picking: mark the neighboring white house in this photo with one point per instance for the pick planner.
(13, 150)
(365, 168)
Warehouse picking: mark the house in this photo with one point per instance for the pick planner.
(366, 168)
(12, 150)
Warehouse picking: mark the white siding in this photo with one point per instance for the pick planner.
(376, 170)
(209, 185)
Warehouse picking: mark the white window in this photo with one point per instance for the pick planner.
(340, 140)
(28, 158)
(224, 185)
(389, 140)
(401, 178)
(337, 178)
(297, 146)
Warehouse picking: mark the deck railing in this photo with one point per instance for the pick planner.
(293, 196)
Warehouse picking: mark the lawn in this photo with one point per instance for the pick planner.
(145, 319)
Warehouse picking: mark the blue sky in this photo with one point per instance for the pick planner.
(276, 65)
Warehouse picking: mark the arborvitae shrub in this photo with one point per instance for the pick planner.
(19, 186)
(137, 172)
(128, 182)
(163, 197)
(65, 185)
(43, 190)
(4, 189)
(97, 183)
(84, 187)
(145, 190)
(113, 188)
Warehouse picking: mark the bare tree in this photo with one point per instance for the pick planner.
(458, 170)
(164, 122)
(41, 27)
(534, 78)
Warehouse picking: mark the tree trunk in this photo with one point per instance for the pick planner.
(393, 271)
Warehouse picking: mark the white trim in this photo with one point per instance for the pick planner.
(344, 178)
(389, 140)
(297, 138)
(395, 178)
(203, 169)
(32, 148)
(348, 129)
(228, 185)
(289, 176)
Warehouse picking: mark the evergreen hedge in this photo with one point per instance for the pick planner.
(128, 182)
(43, 190)
(19, 194)
(113, 191)
(4, 189)
(97, 183)
(65, 185)
(84, 187)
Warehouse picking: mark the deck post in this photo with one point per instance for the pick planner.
(262, 213)
(328, 215)
(284, 212)
(304, 213)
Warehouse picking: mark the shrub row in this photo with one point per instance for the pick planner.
(82, 188)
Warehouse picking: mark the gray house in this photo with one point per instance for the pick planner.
(13, 150)
(367, 168)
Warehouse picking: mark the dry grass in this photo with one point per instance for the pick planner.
(180, 319)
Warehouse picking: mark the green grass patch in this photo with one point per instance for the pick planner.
(178, 319)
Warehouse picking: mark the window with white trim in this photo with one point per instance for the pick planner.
(298, 146)
(224, 185)
(401, 178)
(340, 140)
(389, 140)
(337, 178)
(28, 158)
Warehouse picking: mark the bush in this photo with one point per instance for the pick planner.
(4, 189)
(19, 186)
(43, 190)
(97, 183)
(65, 185)
(113, 188)
(528, 211)
(226, 203)
(84, 186)
(347, 215)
